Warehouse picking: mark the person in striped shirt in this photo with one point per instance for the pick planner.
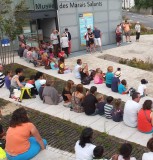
(108, 107)
(2, 76)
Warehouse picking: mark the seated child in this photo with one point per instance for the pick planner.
(122, 87)
(31, 81)
(98, 78)
(8, 78)
(61, 54)
(98, 153)
(108, 107)
(100, 105)
(117, 112)
(109, 76)
(62, 68)
(142, 89)
(50, 53)
(53, 64)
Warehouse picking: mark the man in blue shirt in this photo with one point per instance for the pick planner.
(98, 38)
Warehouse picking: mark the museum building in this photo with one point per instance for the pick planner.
(76, 15)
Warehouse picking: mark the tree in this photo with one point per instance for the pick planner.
(12, 18)
(144, 4)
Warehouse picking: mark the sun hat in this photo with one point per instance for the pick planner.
(117, 74)
(138, 22)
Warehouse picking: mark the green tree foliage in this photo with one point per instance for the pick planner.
(144, 3)
(12, 18)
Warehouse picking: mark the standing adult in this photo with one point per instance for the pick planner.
(89, 102)
(68, 34)
(22, 39)
(127, 31)
(84, 147)
(138, 30)
(65, 44)
(118, 35)
(98, 38)
(131, 110)
(77, 69)
(2, 76)
(21, 50)
(89, 36)
(19, 143)
(55, 41)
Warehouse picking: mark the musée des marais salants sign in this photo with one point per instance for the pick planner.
(49, 4)
(43, 5)
(79, 4)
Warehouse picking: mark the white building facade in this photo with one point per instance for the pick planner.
(127, 4)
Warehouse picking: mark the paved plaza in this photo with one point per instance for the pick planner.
(133, 76)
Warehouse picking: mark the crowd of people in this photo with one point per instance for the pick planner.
(125, 28)
(52, 56)
(86, 150)
(78, 100)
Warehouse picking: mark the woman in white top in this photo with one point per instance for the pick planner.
(84, 147)
(124, 153)
(149, 155)
(65, 44)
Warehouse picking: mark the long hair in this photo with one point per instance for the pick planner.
(19, 116)
(86, 137)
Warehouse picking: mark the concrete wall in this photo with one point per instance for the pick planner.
(106, 17)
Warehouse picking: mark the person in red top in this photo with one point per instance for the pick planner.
(145, 118)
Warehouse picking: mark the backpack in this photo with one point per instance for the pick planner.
(85, 81)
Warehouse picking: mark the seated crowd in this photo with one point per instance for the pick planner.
(78, 100)
(86, 150)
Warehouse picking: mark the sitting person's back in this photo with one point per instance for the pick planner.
(117, 112)
(50, 94)
(89, 102)
(77, 98)
(145, 118)
(77, 69)
(122, 87)
(100, 105)
(131, 109)
(8, 78)
(108, 107)
(109, 76)
(98, 153)
(98, 78)
(124, 153)
(116, 81)
(142, 88)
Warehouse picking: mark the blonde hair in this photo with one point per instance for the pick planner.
(99, 97)
(110, 69)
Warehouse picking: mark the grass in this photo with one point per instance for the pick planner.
(63, 134)
(138, 63)
(3, 102)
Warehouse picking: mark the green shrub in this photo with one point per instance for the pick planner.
(138, 63)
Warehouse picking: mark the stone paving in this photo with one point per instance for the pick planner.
(132, 75)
